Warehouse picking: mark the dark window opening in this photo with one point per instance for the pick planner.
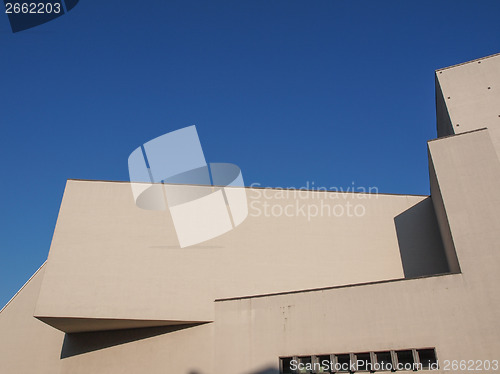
(343, 363)
(363, 361)
(384, 360)
(325, 364)
(286, 365)
(305, 364)
(405, 360)
(427, 357)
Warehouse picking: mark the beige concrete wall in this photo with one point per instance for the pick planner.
(275, 253)
(400, 315)
(27, 345)
(468, 97)
(468, 174)
(458, 313)
(160, 350)
(112, 260)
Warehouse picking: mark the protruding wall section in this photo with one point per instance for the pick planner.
(468, 98)
(465, 181)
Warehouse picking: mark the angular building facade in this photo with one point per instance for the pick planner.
(369, 282)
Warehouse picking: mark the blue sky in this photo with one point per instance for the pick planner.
(330, 92)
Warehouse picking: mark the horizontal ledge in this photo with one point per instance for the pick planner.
(75, 325)
(334, 287)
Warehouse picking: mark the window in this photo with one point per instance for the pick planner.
(286, 365)
(325, 364)
(342, 363)
(305, 364)
(384, 361)
(427, 357)
(380, 361)
(405, 360)
(363, 361)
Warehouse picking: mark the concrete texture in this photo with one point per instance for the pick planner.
(109, 260)
(456, 313)
(468, 98)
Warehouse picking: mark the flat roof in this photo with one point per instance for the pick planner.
(260, 188)
(468, 62)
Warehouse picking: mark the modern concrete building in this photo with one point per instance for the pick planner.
(311, 282)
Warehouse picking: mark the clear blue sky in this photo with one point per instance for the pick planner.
(333, 92)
